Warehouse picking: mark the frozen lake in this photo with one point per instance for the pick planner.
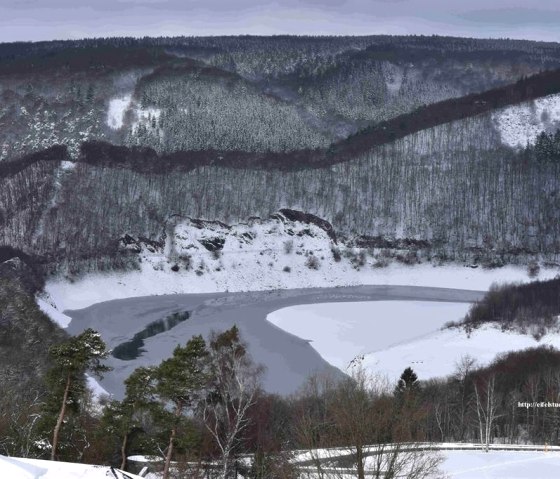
(289, 359)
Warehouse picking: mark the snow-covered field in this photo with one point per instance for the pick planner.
(341, 332)
(520, 124)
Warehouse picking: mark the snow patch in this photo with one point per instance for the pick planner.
(47, 307)
(501, 464)
(520, 124)
(117, 110)
(67, 165)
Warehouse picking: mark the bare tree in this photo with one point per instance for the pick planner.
(363, 428)
(486, 407)
(233, 387)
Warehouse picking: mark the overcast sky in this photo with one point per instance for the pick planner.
(62, 19)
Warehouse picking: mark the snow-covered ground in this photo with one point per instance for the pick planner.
(262, 255)
(246, 274)
(520, 124)
(19, 468)
(463, 464)
(341, 332)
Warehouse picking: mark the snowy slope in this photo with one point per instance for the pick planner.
(520, 124)
(436, 354)
(260, 255)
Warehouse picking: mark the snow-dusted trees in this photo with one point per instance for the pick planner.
(72, 359)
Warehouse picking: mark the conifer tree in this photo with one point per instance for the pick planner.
(72, 359)
(179, 381)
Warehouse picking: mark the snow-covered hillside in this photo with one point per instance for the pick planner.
(520, 124)
(276, 253)
(437, 354)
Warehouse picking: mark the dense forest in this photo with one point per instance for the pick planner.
(386, 138)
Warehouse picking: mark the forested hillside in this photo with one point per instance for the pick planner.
(432, 141)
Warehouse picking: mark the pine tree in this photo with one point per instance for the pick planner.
(121, 418)
(408, 382)
(72, 359)
(179, 381)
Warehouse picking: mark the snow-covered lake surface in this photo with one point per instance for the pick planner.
(342, 331)
(390, 336)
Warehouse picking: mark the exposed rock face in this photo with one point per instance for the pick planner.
(294, 215)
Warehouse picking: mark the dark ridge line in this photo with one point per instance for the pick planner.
(147, 160)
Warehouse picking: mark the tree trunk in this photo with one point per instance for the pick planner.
(178, 410)
(123, 452)
(225, 466)
(360, 462)
(169, 453)
(60, 419)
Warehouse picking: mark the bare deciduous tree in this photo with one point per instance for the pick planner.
(233, 386)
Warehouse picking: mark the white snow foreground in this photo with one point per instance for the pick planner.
(520, 124)
(20, 468)
(469, 461)
(260, 255)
